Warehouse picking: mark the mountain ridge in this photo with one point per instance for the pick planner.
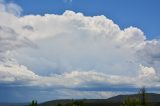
(112, 101)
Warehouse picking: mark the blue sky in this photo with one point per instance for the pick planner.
(143, 14)
(53, 49)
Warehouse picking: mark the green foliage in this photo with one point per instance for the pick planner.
(77, 103)
(33, 103)
(143, 97)
(132, 102)
(140, 101)
(72, 103)
(59, 104)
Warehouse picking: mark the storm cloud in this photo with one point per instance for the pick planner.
(72, 52)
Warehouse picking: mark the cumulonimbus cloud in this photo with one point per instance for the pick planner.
(48, 49)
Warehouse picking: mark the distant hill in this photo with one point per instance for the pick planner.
(152, 97)
(113, 101)
(13, 104)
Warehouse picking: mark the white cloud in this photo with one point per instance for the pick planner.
(71, 50)
(16, 74)
(78, 42)
(147, 71)
(20, 76)
(10, 8)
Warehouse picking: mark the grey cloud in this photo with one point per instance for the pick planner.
(28, 27)
(150, 54)
(10, 40)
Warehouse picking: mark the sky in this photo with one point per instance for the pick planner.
(72, 49)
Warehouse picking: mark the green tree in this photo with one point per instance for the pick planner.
(143, 96)
(129, 101)
(142, 100)
(59, 104)
(33, 103)
(76, 103)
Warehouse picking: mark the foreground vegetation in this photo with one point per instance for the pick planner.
(142, 100)
(33, 103)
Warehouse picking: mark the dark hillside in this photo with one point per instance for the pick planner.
(113, 101)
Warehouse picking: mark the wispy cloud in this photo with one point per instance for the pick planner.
(68, 1)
